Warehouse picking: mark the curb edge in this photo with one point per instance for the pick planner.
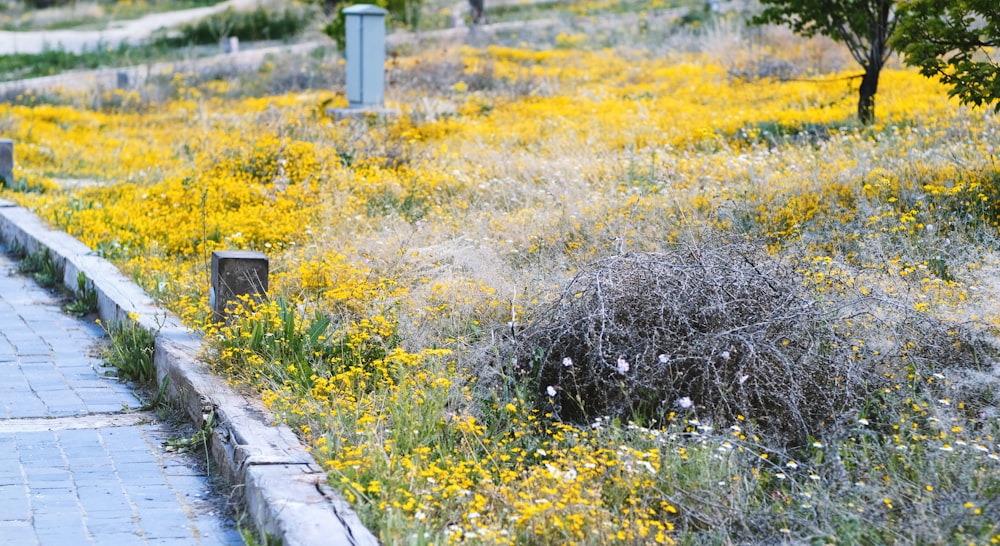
(278, 483)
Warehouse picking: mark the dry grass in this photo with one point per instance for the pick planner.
(723, 329)
(840, 386)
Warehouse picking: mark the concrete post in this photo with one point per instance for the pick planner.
(236, 273)
(365, 52)
(6, 162)
(122, 79)
(229, 45)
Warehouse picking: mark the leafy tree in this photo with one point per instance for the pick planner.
(865, 26)
(950, 40)
(404, 12)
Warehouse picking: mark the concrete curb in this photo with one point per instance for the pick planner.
(275, 479)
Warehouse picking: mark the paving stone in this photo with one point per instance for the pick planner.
(48, 382)
(107, 490)
(65, 482)
(122, 539)
(23, 406)
(60, 406)
(62, 537)
(17, 532)
(166, 523)
(7, 445)
(10, 473)
(32, 348)
(14, 503)
(110, 526)
(213, 534)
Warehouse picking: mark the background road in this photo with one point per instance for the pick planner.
(118, 32)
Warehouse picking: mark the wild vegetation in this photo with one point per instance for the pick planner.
(618, 280)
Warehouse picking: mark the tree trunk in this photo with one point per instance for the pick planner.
(477, 11)
(866, 95)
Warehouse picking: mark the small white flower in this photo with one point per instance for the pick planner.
(684, 403)
(663, 359)
(944, 401)
(724, 355)
(623, 366)
(946, 447)
(743, 378)
(568, 362)
(551, 391)
(814, 477)
(818, 444)
(792, 464)
(863, 421)
(780, 475)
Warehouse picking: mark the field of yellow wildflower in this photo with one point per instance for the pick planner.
(408, 252)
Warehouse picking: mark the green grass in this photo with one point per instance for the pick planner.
(56, 61)
(41, 267)
(84, 300)
(259, 24)
(131, 352)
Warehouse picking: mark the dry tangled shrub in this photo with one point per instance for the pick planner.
(724, 327)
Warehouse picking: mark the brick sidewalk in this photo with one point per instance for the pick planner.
(78, 463)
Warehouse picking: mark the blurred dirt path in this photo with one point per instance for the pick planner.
(118, 32)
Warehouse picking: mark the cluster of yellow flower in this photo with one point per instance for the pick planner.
(396, 243)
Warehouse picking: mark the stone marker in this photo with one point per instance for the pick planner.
(122, 79)
(230, 44)
(236, 273)
(364, 52)
(6, 162)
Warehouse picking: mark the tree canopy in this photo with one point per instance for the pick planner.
(403, 12)
(864, 26)
(952, 40)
